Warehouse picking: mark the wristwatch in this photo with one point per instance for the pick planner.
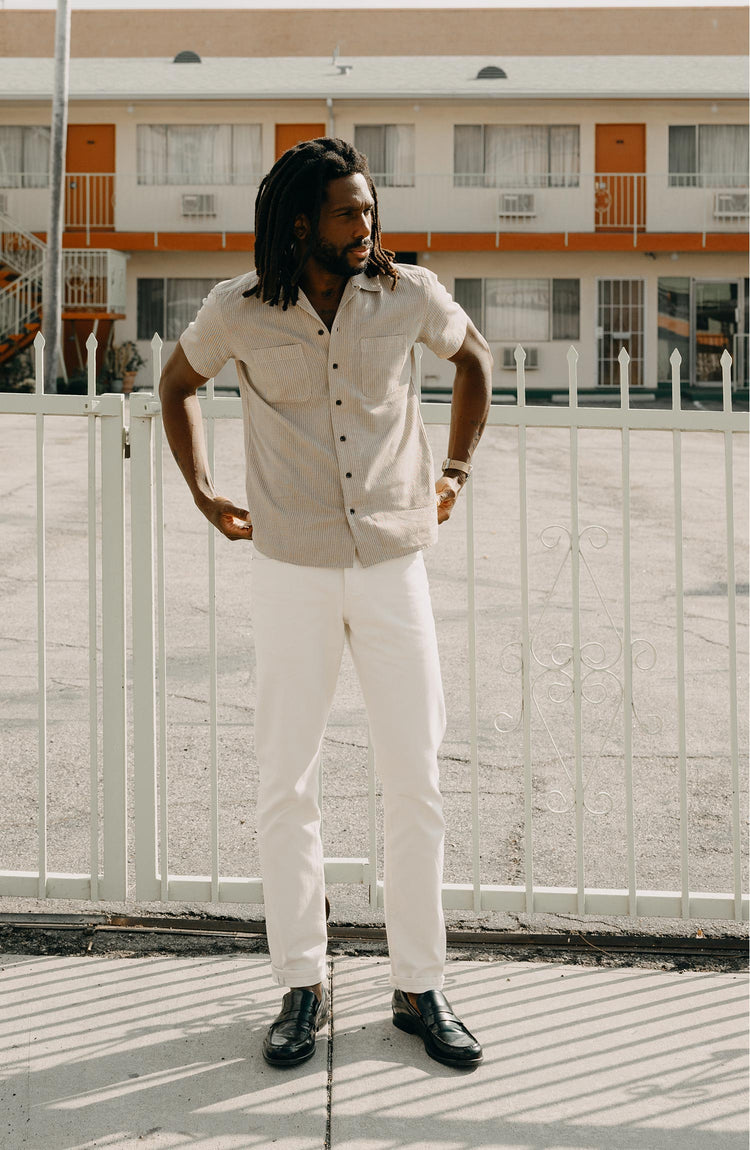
(457, 465)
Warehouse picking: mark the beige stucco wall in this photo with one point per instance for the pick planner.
(435, 204)
(588, 267)
(595, 31)
(145, 208)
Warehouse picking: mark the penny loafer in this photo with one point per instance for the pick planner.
(446, 1039)
(291, 1037)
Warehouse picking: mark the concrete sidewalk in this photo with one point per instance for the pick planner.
(165, 1052)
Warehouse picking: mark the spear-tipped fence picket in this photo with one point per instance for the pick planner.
(574, 665)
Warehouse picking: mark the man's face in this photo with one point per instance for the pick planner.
(343, 242)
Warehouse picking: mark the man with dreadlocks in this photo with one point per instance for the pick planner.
(342, 503)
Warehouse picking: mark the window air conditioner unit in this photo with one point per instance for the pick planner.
(201, 204)
(509, 358)
(517, 204)
(730, 205)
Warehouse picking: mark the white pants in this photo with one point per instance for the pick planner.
(301, 618)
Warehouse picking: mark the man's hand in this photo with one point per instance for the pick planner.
(232, 521)
(447, 488)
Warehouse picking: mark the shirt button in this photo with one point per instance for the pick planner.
(348, 475)
(334, 365)
(342, 438)
(338, 403)
(351, 510)
(320, 331)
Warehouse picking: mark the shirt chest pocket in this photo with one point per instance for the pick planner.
(280, 374)
(383, 359)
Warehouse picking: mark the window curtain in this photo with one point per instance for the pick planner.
(370, 139)
(468, 156)
(723, 155)
(199, 153)
(399, 155)
(150, 309)
(151, 149)
(682, 156)
(517, 309)
(247, 161)
(36, 157)
(24, 156)
(11, 157)
(184, 298)
(390, 152)
(468, 294)
(566, 309)
(516, 155)
(195, 154)
(564, 155)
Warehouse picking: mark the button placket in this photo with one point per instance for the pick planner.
(335, 366)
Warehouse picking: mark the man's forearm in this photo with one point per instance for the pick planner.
(472, 394)
(183, 426)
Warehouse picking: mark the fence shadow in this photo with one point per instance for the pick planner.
(574, 1057)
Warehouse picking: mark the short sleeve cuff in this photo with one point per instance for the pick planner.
(204, 340)
(453, 336)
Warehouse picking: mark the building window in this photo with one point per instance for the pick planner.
(24, 156)
(620, 316)
(390, 153)
(194, 154)
(516, 155)
(708, 155)
(167, 306)
(531, 310)
(673, 325)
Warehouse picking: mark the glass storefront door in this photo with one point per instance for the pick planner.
(718, 306)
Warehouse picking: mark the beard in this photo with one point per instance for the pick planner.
(336, 260)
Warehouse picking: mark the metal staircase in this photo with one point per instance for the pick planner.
(22, 259)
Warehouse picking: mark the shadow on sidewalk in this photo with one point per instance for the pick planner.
(166, 1052)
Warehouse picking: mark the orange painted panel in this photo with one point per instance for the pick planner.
(90, 148)
(619, 188)
(287, 135)
(89, 186)
(621, 147)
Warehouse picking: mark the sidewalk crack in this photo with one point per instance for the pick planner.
(329, 1076)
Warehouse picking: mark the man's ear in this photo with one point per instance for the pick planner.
(301, 227)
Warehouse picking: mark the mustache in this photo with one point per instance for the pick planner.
(353, 247)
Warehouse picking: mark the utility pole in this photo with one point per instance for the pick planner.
(52, 291)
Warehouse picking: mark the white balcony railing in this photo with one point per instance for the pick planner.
(444, 202)
(93, 280)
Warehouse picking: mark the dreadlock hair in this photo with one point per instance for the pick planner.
(296, 185)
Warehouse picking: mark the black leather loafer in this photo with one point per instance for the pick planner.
(291, 1037)
(446, 1039)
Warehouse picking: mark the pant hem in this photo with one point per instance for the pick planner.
(296, 978)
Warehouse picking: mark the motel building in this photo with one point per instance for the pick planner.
(573, 177)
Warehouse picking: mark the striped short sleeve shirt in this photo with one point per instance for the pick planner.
(337, 458)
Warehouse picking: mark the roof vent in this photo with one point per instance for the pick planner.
(491, 72)
(187, 57)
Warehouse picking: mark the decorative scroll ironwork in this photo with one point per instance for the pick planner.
(553, 684)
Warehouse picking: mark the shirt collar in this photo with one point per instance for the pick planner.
(369, 283)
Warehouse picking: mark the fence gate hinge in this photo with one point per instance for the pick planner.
(126, 443)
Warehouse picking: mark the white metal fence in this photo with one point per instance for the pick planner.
(574, 670)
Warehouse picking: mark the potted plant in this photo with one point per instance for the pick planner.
(121, 363)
